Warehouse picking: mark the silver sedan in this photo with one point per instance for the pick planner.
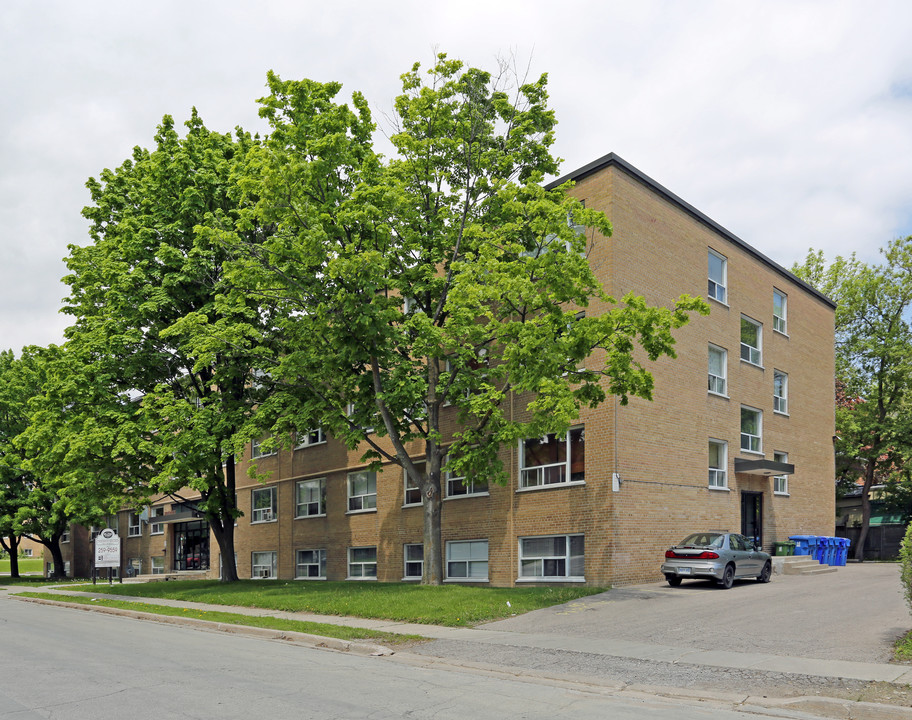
(720, 556)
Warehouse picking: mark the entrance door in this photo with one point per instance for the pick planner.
(752, 516)
(191, 545)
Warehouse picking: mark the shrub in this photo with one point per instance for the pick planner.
(905, 559)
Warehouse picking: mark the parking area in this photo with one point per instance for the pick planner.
(855, 613)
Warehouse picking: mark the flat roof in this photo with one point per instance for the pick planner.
(613, 160)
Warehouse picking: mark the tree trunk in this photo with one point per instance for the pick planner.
(223, 524)
(54, 546)
(865, 510)
(433, 551)
(13, 551)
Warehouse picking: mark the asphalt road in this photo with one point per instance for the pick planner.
(69, 664)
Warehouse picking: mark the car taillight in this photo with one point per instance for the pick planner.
(708, 555)
(669, 553)
(705, 555)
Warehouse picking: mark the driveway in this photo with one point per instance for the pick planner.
(855, 614)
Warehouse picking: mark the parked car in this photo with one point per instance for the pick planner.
(720, 556)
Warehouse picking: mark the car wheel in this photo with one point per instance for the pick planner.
(673, 580)
(765, 574)
(728, 577)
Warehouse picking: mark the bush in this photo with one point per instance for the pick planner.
(905, 559)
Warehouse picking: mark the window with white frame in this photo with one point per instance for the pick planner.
(257, 449)
(94, 532)
(412, 491)
(467, 560)
(780, 482)
(310, 498)
(158, 566)
(263, 504)
(413, 561)
(464, 487)
(362, 491)
(751, 339)
(310, 437)
(718, 370)
(156, 528)
(65, 537)
(362, 563)
(134, 567)
(718, 463)
(718, 270)
(552, 557)
(263, 565)
(310, 564)
(751, 430)
(26, 552)
(553, 459)
(780, 392)
(780, 312)
(134, 525)
(351, 410)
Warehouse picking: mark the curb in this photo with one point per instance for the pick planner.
(298, 638)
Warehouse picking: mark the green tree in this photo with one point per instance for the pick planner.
(445, 276)
(873, 363)
(152, 321)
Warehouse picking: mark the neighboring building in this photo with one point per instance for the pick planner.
(738, 437)
(29, 548)
(886, 528)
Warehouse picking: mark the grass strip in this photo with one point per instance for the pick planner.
(902, 648)
(450, 605)
(313, 628)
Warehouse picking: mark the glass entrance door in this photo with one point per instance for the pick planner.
(191, 545)
(752, 516)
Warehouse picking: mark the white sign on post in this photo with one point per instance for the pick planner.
(107, 549)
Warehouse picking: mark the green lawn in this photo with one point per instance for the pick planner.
(26, 565)
(453, 605)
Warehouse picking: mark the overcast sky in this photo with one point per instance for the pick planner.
(789, 123)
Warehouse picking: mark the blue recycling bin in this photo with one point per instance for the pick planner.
(843, 550)
(832, 550)
(804, 544)
(821, 553)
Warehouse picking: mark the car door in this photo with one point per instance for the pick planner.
(747, 562)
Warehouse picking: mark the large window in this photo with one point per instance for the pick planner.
(362, 491)
(412, 491)
(263, 564)
(780, 312)
(134, 526)
(463, 487)
(718, 464)
(467, 560)
(158, 565)
(718, 361)
(310, 437)
(362, 563)
(751, 338)
(780, 392)
(717, 276)
(751, 430)
(156, 528)
(413, 561)
(553, 460)
(310, 497)
(263, 503)
(258, 451)
(780, 482)
(554, 557)
(310, 564)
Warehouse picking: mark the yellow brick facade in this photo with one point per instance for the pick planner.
(658, 450)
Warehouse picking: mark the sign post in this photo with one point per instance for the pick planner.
(107, 551)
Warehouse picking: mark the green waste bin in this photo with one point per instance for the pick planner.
(784, 548)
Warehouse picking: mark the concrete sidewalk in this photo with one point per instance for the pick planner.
(620, 648)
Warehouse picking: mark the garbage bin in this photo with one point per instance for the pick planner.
(832, 550)
(843, 550)
(804, 544)
(785, 547)
(820, 553)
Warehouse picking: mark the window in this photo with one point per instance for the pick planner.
(467, 560)
(134, 567)
(258, 451)
(94, 532)
(780, 392)
(413, 561)
(310, 564)
(751, 427)
(780, 482)
(718, 267)
(751, 336)
(27, 552)
(350, 411)
(362, 491)
(412, 491)
(718, 361)
(263, 502)
(310, 498)
(158, 566)
(718, 463)
(780, 312)
(463, 487)
(263, 565)
(362, 563)
(65, 538)
(156, 528)
(552, 460)
(310, 437)
(134, 528)
(554, 557)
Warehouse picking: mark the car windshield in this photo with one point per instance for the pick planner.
(703, 540)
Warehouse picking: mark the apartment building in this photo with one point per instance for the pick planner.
(738, 437)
